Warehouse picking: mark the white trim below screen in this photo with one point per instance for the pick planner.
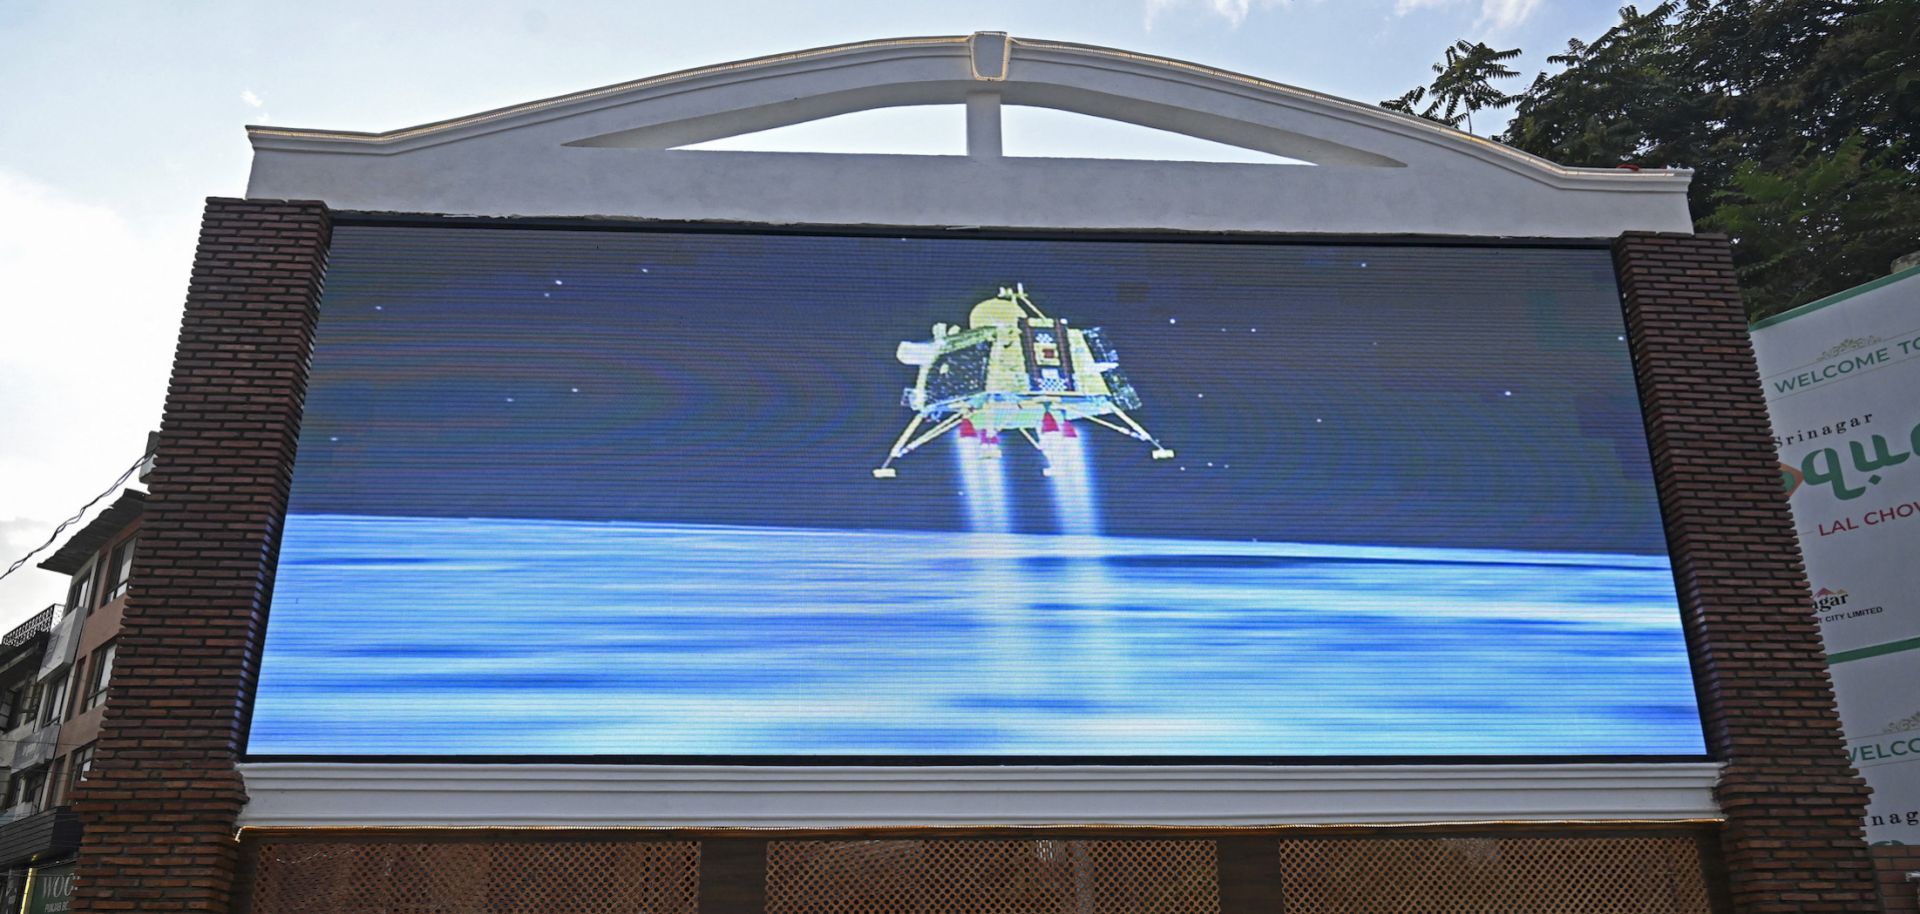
(389, 795)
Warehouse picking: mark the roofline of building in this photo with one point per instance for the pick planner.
(509, 116)
(79, 548)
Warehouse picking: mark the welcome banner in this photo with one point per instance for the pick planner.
(1841, 376)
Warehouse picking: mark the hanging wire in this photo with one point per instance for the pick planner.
(75, 518)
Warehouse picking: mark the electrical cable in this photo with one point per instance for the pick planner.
(75, 518)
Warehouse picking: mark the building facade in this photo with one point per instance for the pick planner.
(28, 830)
(58, 669)
(180, 816)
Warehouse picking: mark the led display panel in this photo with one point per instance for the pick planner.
(725, 494)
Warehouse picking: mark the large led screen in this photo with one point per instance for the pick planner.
(650, 494)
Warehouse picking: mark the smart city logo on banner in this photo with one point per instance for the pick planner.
(1830, 605)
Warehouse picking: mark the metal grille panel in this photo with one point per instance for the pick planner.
(1493, 875)
(557, 877)
(1039, 876)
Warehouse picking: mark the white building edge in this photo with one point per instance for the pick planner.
(611, 153)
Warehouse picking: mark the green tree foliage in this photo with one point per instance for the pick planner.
(1628, 97)
(1410, 104)
(1463, 81)
(1462, 84)
(1797, 116)
(1834, 218)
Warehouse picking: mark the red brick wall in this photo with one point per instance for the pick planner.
(1793, 804)
(1897, 892)
(160, 805)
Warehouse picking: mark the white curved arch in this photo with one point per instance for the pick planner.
(614, 147)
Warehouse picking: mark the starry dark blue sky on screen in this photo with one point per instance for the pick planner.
(1391, 395)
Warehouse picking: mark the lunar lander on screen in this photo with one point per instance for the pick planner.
(1014, 370)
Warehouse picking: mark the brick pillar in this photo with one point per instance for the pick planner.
(161, 802)
(1898, 893)
(1793, 839)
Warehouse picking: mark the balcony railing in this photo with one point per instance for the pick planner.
(43, 620)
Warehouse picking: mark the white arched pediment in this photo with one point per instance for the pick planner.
(613, 151)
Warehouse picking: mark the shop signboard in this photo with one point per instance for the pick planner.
(50, 890)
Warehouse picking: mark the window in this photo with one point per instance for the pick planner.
(29, 709)
(119, 571)
(78, 765)
(80, 592)
(26, 787)
(53, 706)
(99, 671)
(10, 705)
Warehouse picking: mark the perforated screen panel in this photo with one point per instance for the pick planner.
(486, 872)
(1493, 875)
(558, 877)
(1041, 876)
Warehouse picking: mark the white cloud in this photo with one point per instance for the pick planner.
(1495, 14)
(252, 100)
(1234, 11)
(1505, 14)
(89, 309)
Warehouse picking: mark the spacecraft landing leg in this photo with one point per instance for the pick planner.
(1133, 429)
(907, 443)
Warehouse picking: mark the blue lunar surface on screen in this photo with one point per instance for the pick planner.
(649, 494)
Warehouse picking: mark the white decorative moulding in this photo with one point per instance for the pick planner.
(613, 152)
(389, 795)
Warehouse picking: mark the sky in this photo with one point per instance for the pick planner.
(120, 118)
